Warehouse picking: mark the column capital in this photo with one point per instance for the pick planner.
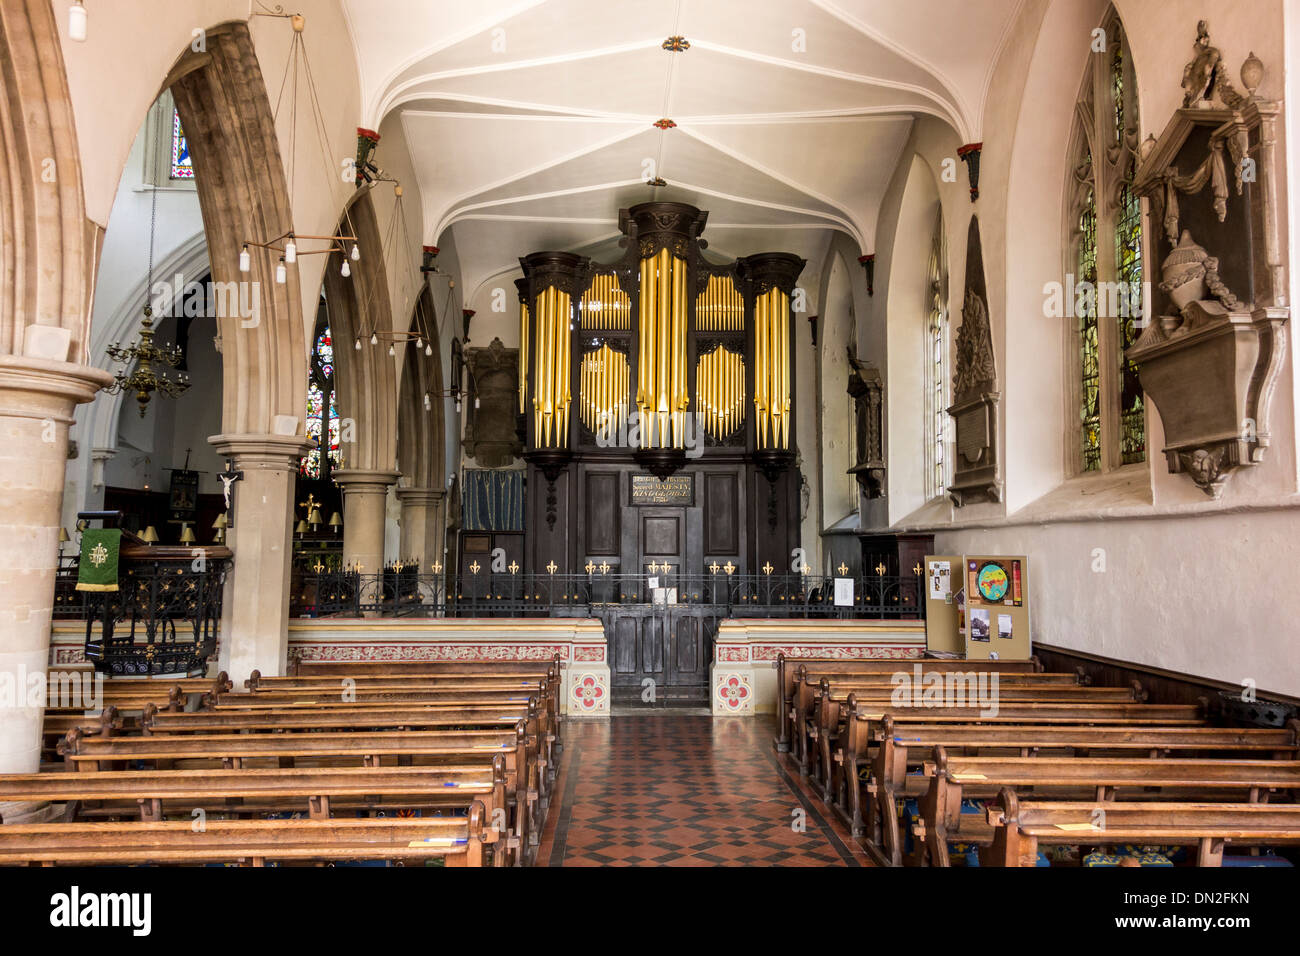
(262, 451)
(364, 481)
(42, 388)
(421, 496)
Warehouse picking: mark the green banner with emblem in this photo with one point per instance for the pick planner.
(97, 569)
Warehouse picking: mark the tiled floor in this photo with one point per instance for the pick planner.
(667, 790)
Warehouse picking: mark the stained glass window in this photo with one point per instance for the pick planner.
(936, 358)
(321, 410)
(1090, 364)
(1107, 260)
(182, 166)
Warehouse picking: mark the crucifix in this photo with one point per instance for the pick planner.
(228, 479)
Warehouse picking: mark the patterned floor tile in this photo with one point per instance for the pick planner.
(684, 790)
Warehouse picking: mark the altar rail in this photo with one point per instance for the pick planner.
(406, 593)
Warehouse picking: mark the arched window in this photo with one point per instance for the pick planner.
(1104, 264)
(938, 466)
(322, 406)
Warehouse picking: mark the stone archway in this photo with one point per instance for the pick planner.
(223, 104)
(48, 251)
(367, 386)
(421, 445)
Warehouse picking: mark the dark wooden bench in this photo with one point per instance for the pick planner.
(406, 748)
(1021, 827)
(814, 668)
(457, 841)
(818, 733)
(898, 747)
(1073, 778)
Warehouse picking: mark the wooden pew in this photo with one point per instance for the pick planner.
(367, 718)
(1072, 778)
(1019, 828)
(897, 745)
(807, 684)
(319, 790)
(242, 751)
(132, 694)
(542, 678)
(814, 668)
(860, 730)
(820, 730)
(458, 841)
(550, 670)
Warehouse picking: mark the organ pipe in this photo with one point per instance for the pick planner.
(720, 387)
(772, 369)
(605, 306)
(603, 395)
(551, 395)
(662, 393)
(720, 307)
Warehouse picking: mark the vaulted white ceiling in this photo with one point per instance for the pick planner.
(530, 122)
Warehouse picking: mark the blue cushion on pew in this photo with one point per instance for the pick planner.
(1262, 860)
(973, 858)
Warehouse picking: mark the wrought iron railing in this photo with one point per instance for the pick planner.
(407, 593)
(162, 619)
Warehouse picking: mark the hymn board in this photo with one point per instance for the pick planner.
(657, 403)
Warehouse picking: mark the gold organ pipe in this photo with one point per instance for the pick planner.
(719, 381)
(772, 368)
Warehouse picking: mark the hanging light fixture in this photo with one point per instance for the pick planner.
(143, 363)
(288, 243)
(150, 535)
(187, 533)
(336, 521)
(77, 22)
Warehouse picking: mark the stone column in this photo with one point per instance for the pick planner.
(255, 614)
(364, 496)
(422, 525)
(37, 399)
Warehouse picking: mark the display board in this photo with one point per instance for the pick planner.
(996, 613)
(943, 579)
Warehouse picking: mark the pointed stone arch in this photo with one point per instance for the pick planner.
(421, 443)
(48, 252)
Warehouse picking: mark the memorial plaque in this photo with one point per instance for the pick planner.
(674, 490)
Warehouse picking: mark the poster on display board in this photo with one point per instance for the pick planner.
(943, 621)
(997, 607)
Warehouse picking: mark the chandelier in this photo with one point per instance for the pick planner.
(144, 364)
(150, 361)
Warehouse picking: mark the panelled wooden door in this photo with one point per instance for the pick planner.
(668, 644)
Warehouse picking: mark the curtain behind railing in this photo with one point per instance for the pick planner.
(494, 500)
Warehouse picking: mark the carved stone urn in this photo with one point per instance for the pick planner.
(1183, 272)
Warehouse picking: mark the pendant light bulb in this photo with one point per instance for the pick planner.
(358, 345)
(356, 253)
(458, 406)
(291, 250)
(419, 341)
(374, 338)
(391, 352)
(346, 270)
(476, 402)
(428, 402)
(77, 22)
(281, 274)
(245, 260)
(428, 350)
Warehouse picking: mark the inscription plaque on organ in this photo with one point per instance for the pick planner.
(673, 490)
